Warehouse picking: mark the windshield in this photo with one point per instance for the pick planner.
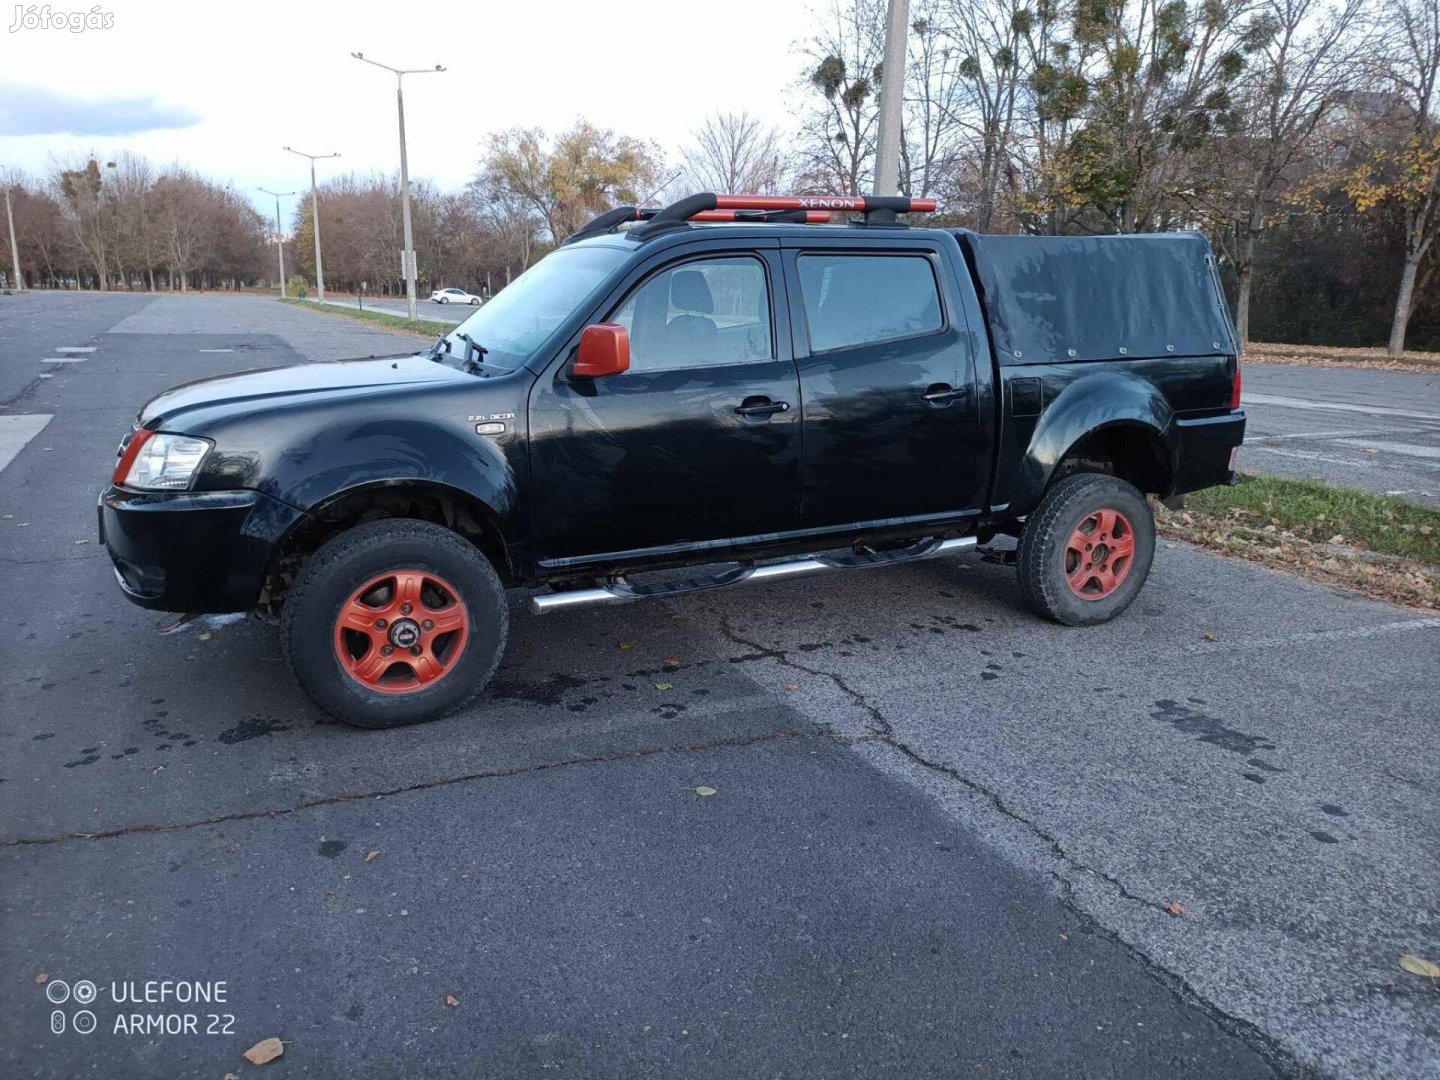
(524, 313)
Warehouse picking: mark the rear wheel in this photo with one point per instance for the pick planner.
(393, 623)
(1086, 550)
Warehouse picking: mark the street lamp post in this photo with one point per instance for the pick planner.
(19, 282)
(892, 91)
(407, 257)
(315, 217)
(279, 234)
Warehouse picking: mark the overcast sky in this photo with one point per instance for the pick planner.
(222, 87)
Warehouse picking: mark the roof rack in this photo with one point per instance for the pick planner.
(797, 209)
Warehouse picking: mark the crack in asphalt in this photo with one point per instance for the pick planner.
(406, 789)
(884, 733)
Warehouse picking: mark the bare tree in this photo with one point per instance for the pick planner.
(989, 36)
(734, 152)
(933, 147)
(82, 188)
(1304, 60)
(842, 82)
(1411, 173)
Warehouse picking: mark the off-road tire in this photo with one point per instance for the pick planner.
(345, 563)
(1041, 565)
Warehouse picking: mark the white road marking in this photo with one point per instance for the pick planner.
(1408, 449)
(1353, 633)
(16, 431)
(75, 348)
(217, 350)
(1333, 406)
(1325, 435)
(1305, 455)
(64, 360)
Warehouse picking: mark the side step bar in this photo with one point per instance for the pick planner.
(620, 591)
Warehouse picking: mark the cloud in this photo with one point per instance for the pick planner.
(34, 110)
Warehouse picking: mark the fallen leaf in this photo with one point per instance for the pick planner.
(265, 1051)
(671, 663)
(1211, 637)
(1338, 538)
(206, 636)
(663, 686)
(705, 791)
(79, 542)
(42, 978)
(1418, 965)
(452, 1001)
(626, 646)
(1175, 909)
(372, 856)
(790, 687)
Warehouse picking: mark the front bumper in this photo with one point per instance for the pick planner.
(1205, 451)
(200, 552)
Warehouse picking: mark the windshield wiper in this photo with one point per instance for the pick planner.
(435, 350)
(476, 363)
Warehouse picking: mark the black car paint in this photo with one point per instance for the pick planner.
(655, 469)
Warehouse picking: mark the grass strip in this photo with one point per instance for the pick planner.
(1374, 544)
(421, 328)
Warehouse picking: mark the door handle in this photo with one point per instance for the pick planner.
(761, 406)
(943, 393)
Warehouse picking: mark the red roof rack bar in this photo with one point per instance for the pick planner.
(791, 209)
(858, 204)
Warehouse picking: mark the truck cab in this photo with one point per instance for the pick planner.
(726, 384)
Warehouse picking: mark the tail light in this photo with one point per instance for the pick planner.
(1235, 390)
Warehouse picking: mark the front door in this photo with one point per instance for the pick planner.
(887, 384)
(698, 442)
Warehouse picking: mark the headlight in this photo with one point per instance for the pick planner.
(160, 461)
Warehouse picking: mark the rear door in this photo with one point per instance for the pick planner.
(887, 382)
(699, 442)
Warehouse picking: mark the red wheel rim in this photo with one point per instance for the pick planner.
(1099, 554)
(401, 632)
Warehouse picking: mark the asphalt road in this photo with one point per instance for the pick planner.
(1377, 430)
(943, 843)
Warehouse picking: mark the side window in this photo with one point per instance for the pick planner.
(861, 299)
(699, 314)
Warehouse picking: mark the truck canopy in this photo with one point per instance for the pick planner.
(1052, 299)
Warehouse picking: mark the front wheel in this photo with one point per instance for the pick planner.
(393, 623)
(1086, 550)
(475, 303)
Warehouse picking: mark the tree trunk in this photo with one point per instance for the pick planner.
(1244, 281)
(1403, 301)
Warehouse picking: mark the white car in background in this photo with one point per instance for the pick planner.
(454, 296)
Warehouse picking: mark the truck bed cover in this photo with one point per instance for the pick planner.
(1051, 299)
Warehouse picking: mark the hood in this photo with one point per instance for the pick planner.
(300, 382)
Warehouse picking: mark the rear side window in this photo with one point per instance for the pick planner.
(861, 299)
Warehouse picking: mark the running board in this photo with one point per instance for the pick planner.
(620, 591)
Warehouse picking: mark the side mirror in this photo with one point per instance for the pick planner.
(604, 350)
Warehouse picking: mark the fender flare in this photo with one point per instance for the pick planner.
(1090, 404)
(429, 457)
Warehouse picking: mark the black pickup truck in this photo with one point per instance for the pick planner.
(753, 400)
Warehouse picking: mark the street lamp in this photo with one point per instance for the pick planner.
(19, 283)
(315, 216)
(279, 234)
(407, 256)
